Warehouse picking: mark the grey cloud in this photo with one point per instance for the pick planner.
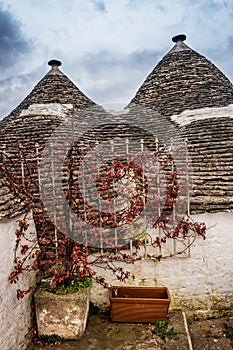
(222, 57)
(105, 60)
(13, 90)
(99, 5)
(12, 42)
(98, 61)
(144, 58)
(230, 43)
(116, 77)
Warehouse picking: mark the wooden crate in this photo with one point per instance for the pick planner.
(139, 304)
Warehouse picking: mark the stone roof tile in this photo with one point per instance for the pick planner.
(184, 80)
(54, 87)
(52, 101)
(210, 145)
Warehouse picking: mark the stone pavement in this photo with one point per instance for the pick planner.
(102, 334)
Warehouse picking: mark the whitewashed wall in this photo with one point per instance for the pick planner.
(201, 283)
(15, 315)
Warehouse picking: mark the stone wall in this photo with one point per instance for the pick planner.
(202, 283)
(15, 315)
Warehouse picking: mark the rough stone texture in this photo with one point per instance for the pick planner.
(33, 121)
(54, 87)
(15, 315)
(199, 283)
(183, 80)
(189, 90)
(64, 315)
(51, 101)
(210, 146)
(209, 140)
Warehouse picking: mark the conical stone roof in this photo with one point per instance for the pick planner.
(184, 80)
(55, 87)
(24, 132)
(191, 91)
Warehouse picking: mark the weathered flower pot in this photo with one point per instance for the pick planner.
(64, 315)
(139, 304)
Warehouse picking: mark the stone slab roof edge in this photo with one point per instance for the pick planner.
(54, 87)
(184, 79)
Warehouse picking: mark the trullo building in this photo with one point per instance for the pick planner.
(191, 93)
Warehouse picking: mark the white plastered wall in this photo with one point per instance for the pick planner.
(15, 315)
(201, 283)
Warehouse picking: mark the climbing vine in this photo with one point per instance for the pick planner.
(61, 258)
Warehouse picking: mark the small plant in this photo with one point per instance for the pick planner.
(71, 285)
(228, 331)
(52, 339)
(161, 329)
(93, 309)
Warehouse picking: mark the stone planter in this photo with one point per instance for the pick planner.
(64, 315)
(139, 304)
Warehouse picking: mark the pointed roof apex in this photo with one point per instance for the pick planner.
(54, 63)
(179, 37)
(54, 66)
(179, 43)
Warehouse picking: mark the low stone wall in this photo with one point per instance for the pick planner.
(15, 315)
(201, 283)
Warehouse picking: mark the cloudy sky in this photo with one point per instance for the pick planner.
(107, 47)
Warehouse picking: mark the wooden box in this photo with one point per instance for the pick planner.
(139, 304)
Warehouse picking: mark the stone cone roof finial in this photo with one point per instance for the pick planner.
(54, 64)
(179, 43)
(179, 37)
